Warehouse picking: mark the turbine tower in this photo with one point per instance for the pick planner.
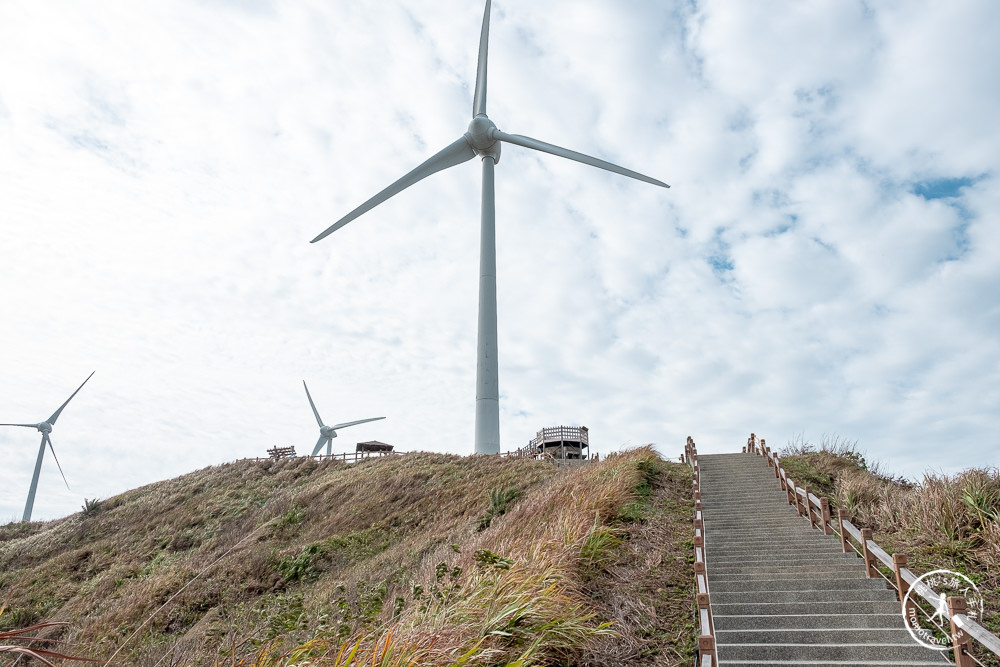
(45, 428)
(328, 433)
(482, 139)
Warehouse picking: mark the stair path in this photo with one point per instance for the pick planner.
(782, 593)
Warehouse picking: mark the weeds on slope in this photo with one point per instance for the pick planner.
(520, 591)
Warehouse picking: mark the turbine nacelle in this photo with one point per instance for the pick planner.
(44, 427)
(328, 433)
(482, 137)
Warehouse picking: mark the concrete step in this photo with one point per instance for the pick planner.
(798, 597)
(789, 573)
(795, 555)
(774, 533)
(737, 494)
(720, 538)
(800, 584)
(802, 556)
(841, 663)
(897, 635)
(760, 528)
(775, 559)
(757, 537)
(781, 538)
(787, 540)
(778, 514)
(892, 621)
(748, 522)
(814, 607)
(777, 511)
(791, 550)
(907, 653)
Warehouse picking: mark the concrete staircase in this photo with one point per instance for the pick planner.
(783, 593)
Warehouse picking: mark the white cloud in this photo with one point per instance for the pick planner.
(164, 167)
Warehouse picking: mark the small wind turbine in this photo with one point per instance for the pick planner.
(328, 433)
(482, 139)
(45, 428)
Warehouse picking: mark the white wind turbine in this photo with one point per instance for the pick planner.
(482, 139)
(328, 433)
(45, 428)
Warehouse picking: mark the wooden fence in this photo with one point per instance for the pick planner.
(706, 627)
(349, 457)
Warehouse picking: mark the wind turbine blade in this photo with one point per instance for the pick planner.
(313, 405)
(360, 421)
(319, 444)
(528, 142)
(479, 101)
(46, 438)
(455, 153)
(55, 415)
(28, 425)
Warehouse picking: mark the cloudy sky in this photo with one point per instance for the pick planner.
(826, 264)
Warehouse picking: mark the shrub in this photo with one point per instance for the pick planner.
(91, 507)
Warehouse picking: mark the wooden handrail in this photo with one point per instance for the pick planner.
(978, 632)
(962, 627)
(706, 624)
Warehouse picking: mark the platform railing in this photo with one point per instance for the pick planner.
(706, 626)
(350, 457)
(958, 625)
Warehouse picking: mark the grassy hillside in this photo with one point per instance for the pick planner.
(411, 559)
(942, 521)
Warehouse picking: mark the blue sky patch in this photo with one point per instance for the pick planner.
(943, 188)
(720, 258)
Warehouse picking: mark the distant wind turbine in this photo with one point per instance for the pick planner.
(482, 139)
(45, 428)
(328, 433)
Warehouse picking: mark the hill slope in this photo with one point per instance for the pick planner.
(419, 557)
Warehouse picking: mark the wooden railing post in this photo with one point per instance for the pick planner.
(798, 503)
(866, 534)
(790, 490)
(777, 468)
(703, 603)
(706, 646)
(841, 515)
(809, 509)
(824, 507)
(908, 606)
(960, 640)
